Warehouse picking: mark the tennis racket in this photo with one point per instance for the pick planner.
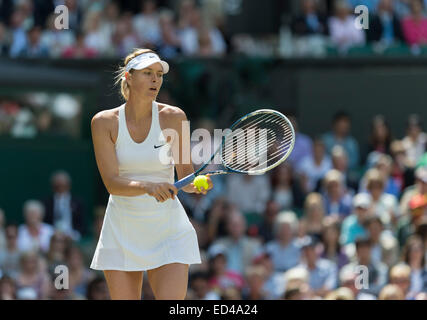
(257, 143)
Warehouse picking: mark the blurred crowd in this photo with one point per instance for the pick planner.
(335, 221)
(109, 28)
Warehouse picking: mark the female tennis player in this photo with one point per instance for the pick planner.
(145, 226)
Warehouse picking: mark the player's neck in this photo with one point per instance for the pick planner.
(138, 109)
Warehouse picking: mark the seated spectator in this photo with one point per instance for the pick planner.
(400, 275)
(297, 284)
(400, 171)
(248, 192)
(7, 288)
(286, 190)
(414, 26)
(385, 247)
(384, 25)
(391, 292)
(284, 249)
(343, 32)
(377, 272)
(56, 40)
(353, 225)
(125, 38)
(4, 42)
(79, 49)
(63, 209)
(348, 278)
(384, 205)
(97, 289)
(169, 46)
(59, 243)
(314, 167)
(18, 33)
(384, 165)
(303, 146)
(32, 281)
(322, 273)
(34, 234)
(146, 24)
(79, 274)
(222, 277)
(342, 293)
(340, 162)
(340, 135)
(414, 256)
(337, 198)
(96, 37)
(34, 47)
(408, 224)
(75, 14)
(415, 140)
(9, 257)
(380, 138)
(265, 231)
(419, 188)
(314, 212)
(310, 21)
(274, 284)
(240, 249)
(256, 277)
(199, 286)
(216, 219)
(332, 249)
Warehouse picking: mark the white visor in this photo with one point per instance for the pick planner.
(145, 60)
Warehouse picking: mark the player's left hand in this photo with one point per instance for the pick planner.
(191, 188)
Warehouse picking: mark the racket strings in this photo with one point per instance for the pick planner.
(258, 141)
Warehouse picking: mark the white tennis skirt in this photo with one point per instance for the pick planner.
(139, 234)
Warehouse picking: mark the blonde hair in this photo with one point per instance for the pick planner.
(373, 175)
(400, 270)
(313, 199)
(120, 77)
(391, 292)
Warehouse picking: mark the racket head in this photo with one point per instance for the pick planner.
(258, 142)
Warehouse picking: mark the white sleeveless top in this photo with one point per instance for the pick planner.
(139, 233)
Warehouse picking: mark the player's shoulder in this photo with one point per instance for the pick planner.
(170, 111)
(105, 118)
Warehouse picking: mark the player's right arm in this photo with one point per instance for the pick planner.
(108, 166)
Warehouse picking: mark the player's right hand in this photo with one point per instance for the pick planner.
(161, 191)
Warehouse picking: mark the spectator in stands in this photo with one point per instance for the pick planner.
(7, 288)
(284, 249)
(97, 289)
(315, 166)
(400, 171)
(322, 272)
(216, 219)
(146, 24)
(342, 293)
(34, 46)
(384, 165)
(414, 256)
(349, 277)
(56, 254)
(343, 33)
(199, 285)
(286, 190)
(34, 234)
(75, 14)
(400, 275)
(63, 209)
(169, 45)
(385, 247)
(336, 196)
(415, 140)
(221, 276)
(377, 272)
(310, 21)
(56, 40)
(256, 277)
(79, 49)
(353, 225)
(240, 249)
(4, 42)
(420, 187)
(340, 162)
(384, 205)
(9, 257)
(248, 193)
(384, 25)
(391, 292)
(96, 37)
(340, 135)
(265, 230)
(314, 212)
(332, 249)
(32, 281)
(79, 274)
(18, 32)
(274, 284)
(414, 26)
(409, 223)
(380, 138)
(303, 146)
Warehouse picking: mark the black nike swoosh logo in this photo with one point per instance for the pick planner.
(156, 147)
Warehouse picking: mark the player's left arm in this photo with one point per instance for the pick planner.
(178, 135)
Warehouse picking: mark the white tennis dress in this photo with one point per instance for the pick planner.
(139, 233)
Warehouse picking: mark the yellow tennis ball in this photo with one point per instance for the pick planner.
(201, 181)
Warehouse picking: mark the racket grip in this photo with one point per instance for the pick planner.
(185, 181)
